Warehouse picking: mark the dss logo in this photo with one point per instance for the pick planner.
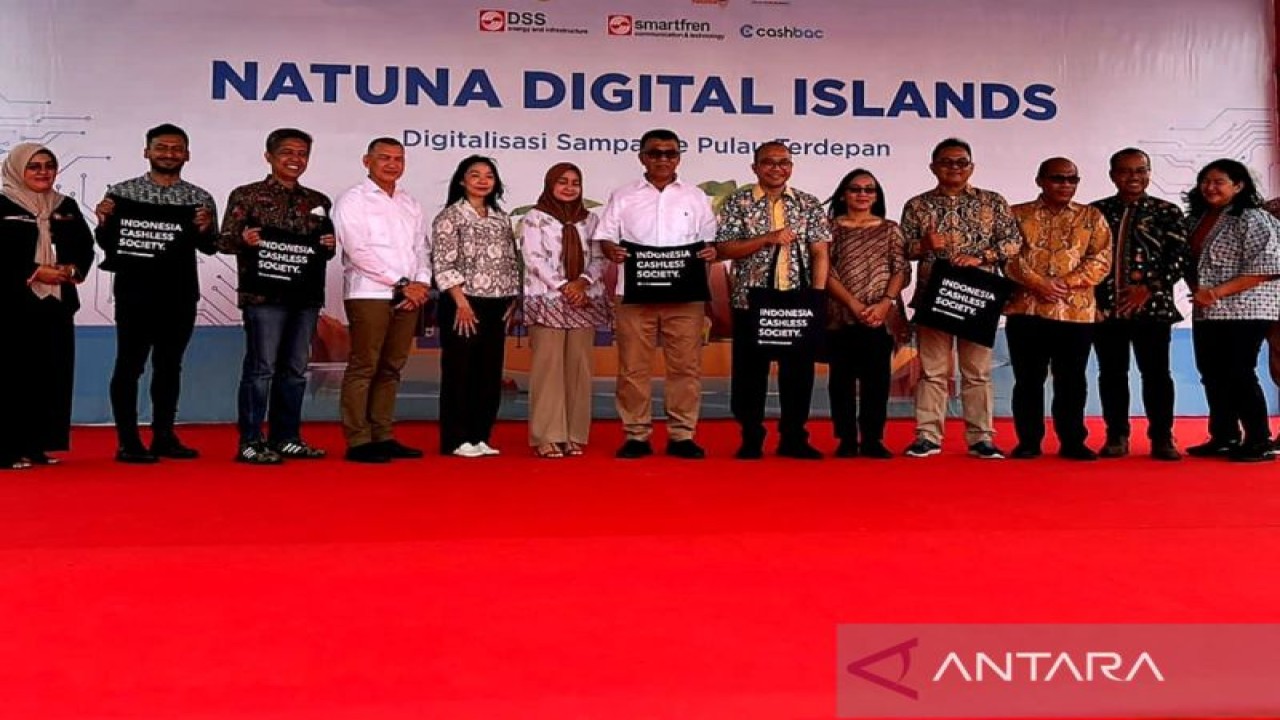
(503, 20)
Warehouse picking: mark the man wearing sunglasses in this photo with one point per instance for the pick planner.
(1136, 306)
(969, 227)
(1066, 252)
(658, 211)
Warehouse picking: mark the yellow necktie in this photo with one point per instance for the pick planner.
(778, 220)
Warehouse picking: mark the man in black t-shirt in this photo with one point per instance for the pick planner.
(150, 228)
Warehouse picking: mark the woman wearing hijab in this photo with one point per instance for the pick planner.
(563, 304)
(45, 250)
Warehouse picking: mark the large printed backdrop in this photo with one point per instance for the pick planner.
(849, 83)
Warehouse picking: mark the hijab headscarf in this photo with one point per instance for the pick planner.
(568, 214)
(40, 204)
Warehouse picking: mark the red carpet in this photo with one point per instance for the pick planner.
(577, 588)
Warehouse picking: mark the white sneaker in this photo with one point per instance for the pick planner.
(486, 449)
(467, 450)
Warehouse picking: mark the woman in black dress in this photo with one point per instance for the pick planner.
(45, 250)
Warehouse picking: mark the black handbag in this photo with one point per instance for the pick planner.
(787, 322)
(964, 301)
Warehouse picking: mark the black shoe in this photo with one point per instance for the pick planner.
(297, 450)
(172, 448)
(633, 449)
(136, 456)
(749, 451)
(1115, 447)
(876, 450)
(1165, 450)
(1251, 452)
(370, 452)
(39, 457)
(395, 450)
(847, 449)
(687, 449)
(257, 453)
(799, 451)
(1213, 448)
(1077, 452)
(1026, 452)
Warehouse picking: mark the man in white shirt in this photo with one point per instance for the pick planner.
(658, 211)
(383, 234)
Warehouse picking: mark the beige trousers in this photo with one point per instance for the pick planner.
(560, 385)
(637, 328)
(936, 371)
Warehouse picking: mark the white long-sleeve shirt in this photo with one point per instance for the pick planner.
(638, 212)
(383, 238)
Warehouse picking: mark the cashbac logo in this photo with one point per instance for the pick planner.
(621, 24)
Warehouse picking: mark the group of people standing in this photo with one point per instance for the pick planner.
(1095, 277)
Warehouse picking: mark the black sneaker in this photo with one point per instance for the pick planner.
(257, 453)
(687, 449)
(749, 451)
(298, 450)
(634, 449)
(922, 448)
(1251, 452)
(1165, 450)
(1213, 448)
(986, 450)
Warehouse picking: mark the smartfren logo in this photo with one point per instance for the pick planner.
(621, 24)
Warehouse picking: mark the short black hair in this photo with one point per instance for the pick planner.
(755, 156)
(167, 129)
(950, 142)
(279, 135)
(382, 141)
(1118, 155)
(659, 134)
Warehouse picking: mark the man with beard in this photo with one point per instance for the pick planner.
(155, 299)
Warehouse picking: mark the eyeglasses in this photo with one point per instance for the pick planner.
(957, 163)
(662, 154)
(782, 164)
(1063, 179)
(861, 190)
(38, 166)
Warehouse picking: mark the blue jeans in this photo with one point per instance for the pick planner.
(277, 348)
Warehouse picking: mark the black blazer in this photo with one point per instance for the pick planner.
(72, 243)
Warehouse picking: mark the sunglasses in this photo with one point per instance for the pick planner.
(958, 164)
(860, 190)
(662, 154)
(1063, 179)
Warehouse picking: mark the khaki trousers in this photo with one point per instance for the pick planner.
(560, 385)
(381, 338)
(637, 328)
(936, 371)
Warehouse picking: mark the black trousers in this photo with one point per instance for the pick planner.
(471, 371)
(861, 356)
(37, 375)
(160, 330)
(1226, 354)
(749, 387)
(1036, 347)
(1150, 342)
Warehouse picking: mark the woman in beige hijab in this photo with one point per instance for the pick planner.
(45, 250)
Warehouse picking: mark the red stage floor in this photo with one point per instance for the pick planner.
(577, 588)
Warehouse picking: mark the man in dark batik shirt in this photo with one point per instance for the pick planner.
(1149, 255)
(278, 326)
(155, 303)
